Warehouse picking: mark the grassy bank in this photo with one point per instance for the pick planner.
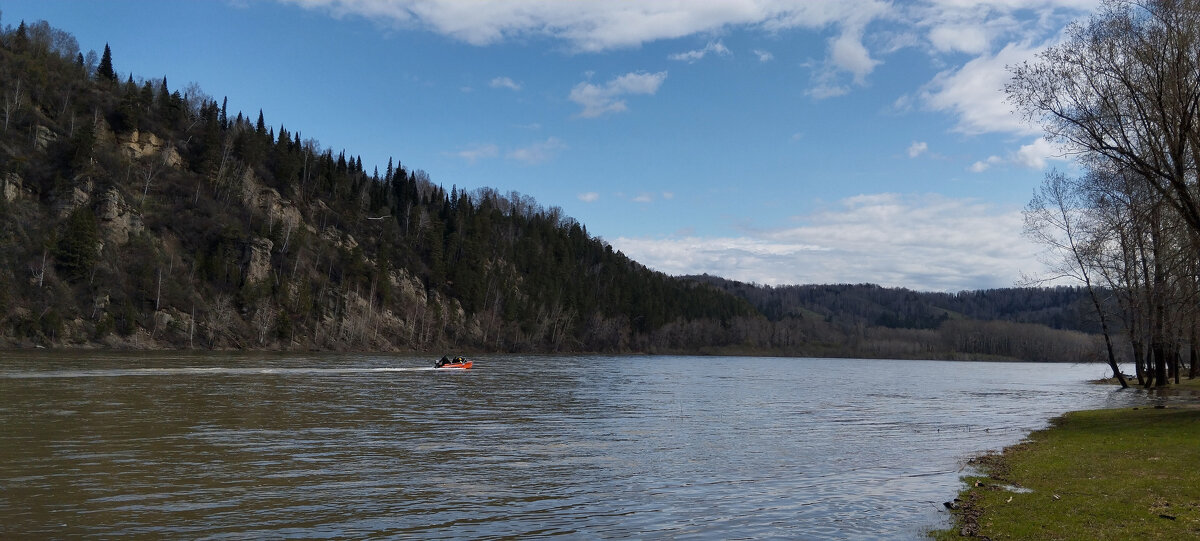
(1105, 474)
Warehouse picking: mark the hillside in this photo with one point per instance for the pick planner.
(866, 320)
(137, 215)
(1066, 308)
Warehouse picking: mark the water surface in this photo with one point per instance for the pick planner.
(252, 445)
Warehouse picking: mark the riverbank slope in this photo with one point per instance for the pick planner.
(1129, 473)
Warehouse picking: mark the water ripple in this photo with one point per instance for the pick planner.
(228, 446)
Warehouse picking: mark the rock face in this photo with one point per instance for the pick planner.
(66, 202)
(137, 145)
(278, 210)
(11, 187)
(116, 218)
(258, 261)
(42, 138)
(408, 288)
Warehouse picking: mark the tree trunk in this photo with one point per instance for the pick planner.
(1112, 358)
(1140, 364)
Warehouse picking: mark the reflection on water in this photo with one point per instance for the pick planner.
(357, 446)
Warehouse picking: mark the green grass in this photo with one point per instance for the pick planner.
(1105, 474)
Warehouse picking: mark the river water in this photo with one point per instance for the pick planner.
(355, 446)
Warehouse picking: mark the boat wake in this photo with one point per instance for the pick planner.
(217, 371)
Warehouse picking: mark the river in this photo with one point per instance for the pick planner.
(172, 445)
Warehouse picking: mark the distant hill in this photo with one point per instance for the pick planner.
(866, 320)
(134, 214)
(1066, 308)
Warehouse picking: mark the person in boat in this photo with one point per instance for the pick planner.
(446, 360)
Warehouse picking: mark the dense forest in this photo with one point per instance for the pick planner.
(140, 215)
(866, 320)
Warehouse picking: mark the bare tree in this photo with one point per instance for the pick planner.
(1125, 85)
(1053, 218)
(12, 103)
(264, 319)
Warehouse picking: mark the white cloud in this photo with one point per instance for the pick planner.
(589, 197)
(538, 152)
(940, 26)
(715, 47)
(917, 148)
(505, 82)
(478, 152)
(984, 165)
(597, 25)
(668, 195)
(960, 38)
(763, 56)
(849, 54)
(974, 27)
(602, 25)
(1033, 156)
(598, 100)
(644, 197)
(924, 242)
(974, 92)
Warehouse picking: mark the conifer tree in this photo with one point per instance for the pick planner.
(21, 38)
(105, 71)
(75, 251)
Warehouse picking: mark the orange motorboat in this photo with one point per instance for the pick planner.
(455, 363)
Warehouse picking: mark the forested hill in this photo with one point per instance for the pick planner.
(865, 320)
(136, 214)
(1067, 308)
(140, 215)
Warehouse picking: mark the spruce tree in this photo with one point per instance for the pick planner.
(21, 38)
(105, 72)
(75, 252)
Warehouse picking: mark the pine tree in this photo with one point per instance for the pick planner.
(75, 252)
(21, 38)
(105, 72)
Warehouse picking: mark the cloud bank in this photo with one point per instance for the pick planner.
(861, 34)
(923, 242)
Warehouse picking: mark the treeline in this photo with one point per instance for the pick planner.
(140, 215)
(849, 305)
(1122, 94)
(866, 320)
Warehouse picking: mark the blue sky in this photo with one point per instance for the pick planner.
(776, 142)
